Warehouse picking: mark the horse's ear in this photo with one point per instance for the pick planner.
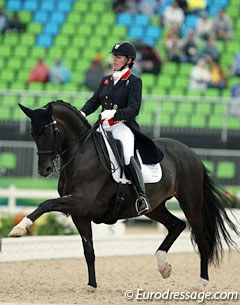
(27, 111)
(49, 109)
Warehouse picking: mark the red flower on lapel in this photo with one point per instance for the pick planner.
(105, 82)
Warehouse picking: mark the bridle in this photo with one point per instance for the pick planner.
(57, 151)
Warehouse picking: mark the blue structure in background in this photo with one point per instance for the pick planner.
(51, 13)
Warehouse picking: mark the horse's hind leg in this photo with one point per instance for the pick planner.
(192, 208)
(174, 226)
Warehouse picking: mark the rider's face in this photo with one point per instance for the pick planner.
(119, 61)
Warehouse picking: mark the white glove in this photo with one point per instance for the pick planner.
(108, 114)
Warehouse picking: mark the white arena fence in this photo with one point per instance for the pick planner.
(109, 240)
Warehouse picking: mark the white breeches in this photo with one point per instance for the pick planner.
(123, 133)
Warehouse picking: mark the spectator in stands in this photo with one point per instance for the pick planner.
(235, 67)
(95, 73)
(120, 6)
(204, 26)
(210, 50)
(222, 26)
(218, 78)
(173, 14)
(59, 73)
(189, 46)
(173, 45)
(40, 72)
(235, 91)
(183, 5)
(4, 22)
(150, 61)
(148, 7)
(15, 24)
(196, 6)
(199, 76)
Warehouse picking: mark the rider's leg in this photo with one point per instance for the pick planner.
(125, 135)
(142, 203)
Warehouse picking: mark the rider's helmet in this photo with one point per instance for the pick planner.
(125, 48)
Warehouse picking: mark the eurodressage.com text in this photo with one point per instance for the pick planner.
(141, 294)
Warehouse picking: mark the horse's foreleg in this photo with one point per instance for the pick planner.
(174, 226)
(85, 230)
(66, 205)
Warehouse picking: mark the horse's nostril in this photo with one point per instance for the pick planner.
(48, 169)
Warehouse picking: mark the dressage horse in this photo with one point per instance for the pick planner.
(86, 189)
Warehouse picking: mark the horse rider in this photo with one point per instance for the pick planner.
(120, 96)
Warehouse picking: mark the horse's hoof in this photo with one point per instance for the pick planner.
(90, 289)
(17, 232)
(200, 285)
(165, 270)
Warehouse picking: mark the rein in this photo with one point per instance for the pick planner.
(97, 140)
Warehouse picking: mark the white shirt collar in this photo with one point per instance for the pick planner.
(118, 74)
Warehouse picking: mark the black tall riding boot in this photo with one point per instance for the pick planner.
(142, 204)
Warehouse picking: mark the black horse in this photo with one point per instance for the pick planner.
(87, 188)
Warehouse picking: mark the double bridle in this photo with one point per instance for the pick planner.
(57, 151)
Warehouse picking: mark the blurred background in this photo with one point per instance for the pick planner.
(188, 56)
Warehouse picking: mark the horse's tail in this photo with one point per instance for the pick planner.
(215, 219)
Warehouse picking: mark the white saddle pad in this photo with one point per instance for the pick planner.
(151, 173)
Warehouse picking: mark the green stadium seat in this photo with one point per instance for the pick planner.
(5, 113)
(197, 93)
(168, 107)
(181, 82)
(70, 87)
(8, 75)
(226, 169)
(185, 107)
(107, 19)
(102, 31)
(68, 30)
(14, 63)
(215, 122)
(28, 39)
(34, 28)
(5, 51)
(10, 40)
(165, 119)
(203, 108)
(81, 6)
(85, 29)
(212, 92)
(198, 121)
(25, 16)
(9, 100)
(21, 52)
(62, 41)
(35, 86)
(177, 91)
(98, 7)
(8, 161)
(180, 120)
(233, 123)
(169, 68)
(39, 52)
